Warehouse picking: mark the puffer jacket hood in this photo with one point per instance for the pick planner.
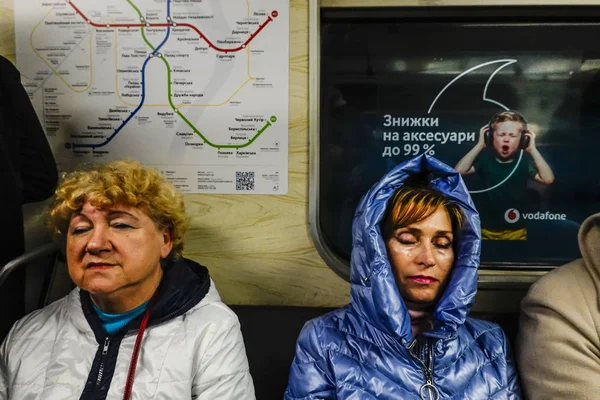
(366, 350)
(374, 292)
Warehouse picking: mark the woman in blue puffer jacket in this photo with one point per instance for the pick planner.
(406, 334)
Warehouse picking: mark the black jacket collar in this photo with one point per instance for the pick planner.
(184, 284)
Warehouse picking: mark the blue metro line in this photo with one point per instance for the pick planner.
(143, 71)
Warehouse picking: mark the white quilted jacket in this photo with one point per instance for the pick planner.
(52, 353)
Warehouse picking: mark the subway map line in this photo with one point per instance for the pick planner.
(156, 53)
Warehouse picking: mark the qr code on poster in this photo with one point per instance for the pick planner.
(244, 180)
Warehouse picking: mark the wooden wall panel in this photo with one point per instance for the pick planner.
(7, 30)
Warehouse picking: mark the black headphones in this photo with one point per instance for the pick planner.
(489, 134)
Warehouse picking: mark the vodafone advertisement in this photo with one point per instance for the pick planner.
(518, 121)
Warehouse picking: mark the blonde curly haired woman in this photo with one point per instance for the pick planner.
(143, 322)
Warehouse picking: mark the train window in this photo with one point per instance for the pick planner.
(397, 82)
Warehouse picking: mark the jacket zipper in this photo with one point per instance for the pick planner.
(428, 391)
(101, 368)
(106, 346)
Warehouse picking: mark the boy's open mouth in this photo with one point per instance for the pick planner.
(505, 149)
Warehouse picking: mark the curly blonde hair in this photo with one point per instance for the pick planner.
(124, 182)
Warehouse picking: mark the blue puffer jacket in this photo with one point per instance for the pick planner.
(366, 349)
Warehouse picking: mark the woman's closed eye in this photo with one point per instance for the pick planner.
(406, 238)
(442, 243)
(121, 226)
(78, 230)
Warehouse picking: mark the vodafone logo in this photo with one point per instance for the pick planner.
(512, 215)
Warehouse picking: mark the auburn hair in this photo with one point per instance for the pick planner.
(410, 205)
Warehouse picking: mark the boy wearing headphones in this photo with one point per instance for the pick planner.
(505, 171)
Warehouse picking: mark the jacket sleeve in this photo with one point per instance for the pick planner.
(512, 390)
(557, 347)
(311, 377)
(37, 168)
(4, 369)
(224, 371)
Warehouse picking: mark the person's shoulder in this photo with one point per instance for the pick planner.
(334, 320)
(479, 328)
(209, 321)
(38, 325)
(565, 299)
(5, 63)
(320, 333)
(489, 336)
(7, 68)
(331, 322)
(551, 286)
(568, 291)
(333, 329)
(574, 270)
(212, 310)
